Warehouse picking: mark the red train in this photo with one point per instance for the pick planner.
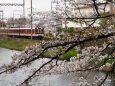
(23, 32)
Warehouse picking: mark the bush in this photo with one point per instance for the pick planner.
(46, 38)
(69, 54)
(47, 53)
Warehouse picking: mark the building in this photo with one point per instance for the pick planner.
(77, 11)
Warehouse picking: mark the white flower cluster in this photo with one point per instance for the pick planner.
(81, 61)
(83, 82)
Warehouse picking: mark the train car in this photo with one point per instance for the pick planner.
(23, 32)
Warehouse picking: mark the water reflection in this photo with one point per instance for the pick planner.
(69, 79)
(66, 79)
(5, 55)
(112, 80)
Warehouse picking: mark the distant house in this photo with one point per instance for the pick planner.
(86, 11)
(79, 25)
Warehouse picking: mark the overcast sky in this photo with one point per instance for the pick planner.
(39, 5)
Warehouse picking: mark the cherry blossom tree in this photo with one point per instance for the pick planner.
(90, 56)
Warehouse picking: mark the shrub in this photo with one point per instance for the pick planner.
(70, 54)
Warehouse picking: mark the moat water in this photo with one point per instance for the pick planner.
(66, 79)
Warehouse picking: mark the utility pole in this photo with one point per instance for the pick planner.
(65, 20)
(2, 14)
(31, 20)
(111, 12)
(24, 8)
(51, 6)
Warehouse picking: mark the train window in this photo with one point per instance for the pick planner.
(36, 30)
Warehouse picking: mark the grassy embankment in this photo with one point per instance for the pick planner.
(20, 44)
(15, 44)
